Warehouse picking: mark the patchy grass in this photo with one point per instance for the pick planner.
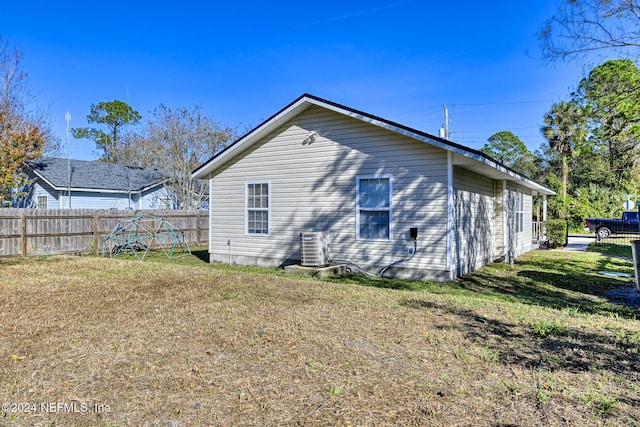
(611, 249)
(619, 246)
(180, 342)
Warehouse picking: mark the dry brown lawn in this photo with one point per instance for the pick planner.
(87, 341)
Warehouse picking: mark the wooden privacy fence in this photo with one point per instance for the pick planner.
(25, 232)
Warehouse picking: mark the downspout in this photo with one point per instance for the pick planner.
(210, 227)
(450, 248)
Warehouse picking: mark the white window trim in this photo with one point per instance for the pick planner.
(246, 209)
(390, 209)
(519, 211)
(46, 201)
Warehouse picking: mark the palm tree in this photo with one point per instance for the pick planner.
(564, 127)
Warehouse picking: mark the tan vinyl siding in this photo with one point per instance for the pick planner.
(519, 243)
(313, 186)
(474, 220)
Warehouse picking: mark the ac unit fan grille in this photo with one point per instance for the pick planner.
(314, 249)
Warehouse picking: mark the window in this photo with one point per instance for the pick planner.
(519, 212)
(373, 207)
(258, 212)
(42, 202)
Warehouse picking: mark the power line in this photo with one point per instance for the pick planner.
(479, 104)
(503, 103)
(493, 130)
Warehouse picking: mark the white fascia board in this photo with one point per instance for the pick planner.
(509, 174)
(304, 102)
(248, 140)
(99, 190)
(148, 187)
(499, 172)
(104, 190)
(81, 189)
(49, 183)
(453, 149)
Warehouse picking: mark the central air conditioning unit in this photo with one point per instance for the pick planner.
(314, 249)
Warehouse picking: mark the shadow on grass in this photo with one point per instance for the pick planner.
(550, 288)
(201, 254)
(553, 280)
(198, 256)
(384, 282)
(574, 350)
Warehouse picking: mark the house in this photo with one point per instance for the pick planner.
(63, 183)
(386, 194)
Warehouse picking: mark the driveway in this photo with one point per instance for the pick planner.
(578, 242)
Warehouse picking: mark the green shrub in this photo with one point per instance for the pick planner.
(556, 230)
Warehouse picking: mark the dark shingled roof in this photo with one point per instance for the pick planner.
(95, 175)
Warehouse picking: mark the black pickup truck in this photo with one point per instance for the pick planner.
(604, 227)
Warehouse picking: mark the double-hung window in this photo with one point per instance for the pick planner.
(258, 207)
(373, 207)
(519, 211)
(42, 202)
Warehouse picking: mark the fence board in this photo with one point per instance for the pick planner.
(62, 231)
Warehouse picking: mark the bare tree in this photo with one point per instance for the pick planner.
(582, 27)
(138, 149)
(23, 133)
(17, 104)
(178, 141)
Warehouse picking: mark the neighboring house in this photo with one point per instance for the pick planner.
(62, 183)
(320, 166)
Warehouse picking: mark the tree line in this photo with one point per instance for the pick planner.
(24, 131)
(174, 140)
(591, 155)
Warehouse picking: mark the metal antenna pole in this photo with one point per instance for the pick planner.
(446, 122)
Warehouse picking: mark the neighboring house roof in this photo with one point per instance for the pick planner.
(467, 157)
(82, 175)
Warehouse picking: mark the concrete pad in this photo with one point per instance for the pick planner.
(579, 243)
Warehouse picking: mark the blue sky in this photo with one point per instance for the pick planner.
(243, 61)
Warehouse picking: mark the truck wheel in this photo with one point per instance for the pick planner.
(603, 233)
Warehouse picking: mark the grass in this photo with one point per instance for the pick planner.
(617, 245)
(180, 342)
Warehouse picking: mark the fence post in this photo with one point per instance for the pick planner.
(23, 234)
(96, 232)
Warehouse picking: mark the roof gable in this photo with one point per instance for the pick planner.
(464, 156)
(94, 176)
